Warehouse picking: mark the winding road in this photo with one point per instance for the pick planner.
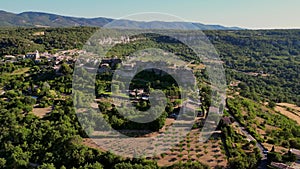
(263, 163)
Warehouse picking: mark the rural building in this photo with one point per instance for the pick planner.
(35, 55)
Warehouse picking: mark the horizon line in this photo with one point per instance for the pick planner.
(186, 21)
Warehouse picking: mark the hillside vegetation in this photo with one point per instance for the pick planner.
(40, 129)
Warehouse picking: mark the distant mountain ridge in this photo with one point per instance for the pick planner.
(40, 19)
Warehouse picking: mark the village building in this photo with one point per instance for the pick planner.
(34, 55)
(42, 33)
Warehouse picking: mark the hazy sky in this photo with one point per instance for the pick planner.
(242, 13)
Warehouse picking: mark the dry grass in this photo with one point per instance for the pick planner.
(292, 106)
(18, 72)
(278, 149)
(261, 132)
(41, 112)
(197, 66)
(234, 83)
(289, 110)
(237, 128)
(268, 127)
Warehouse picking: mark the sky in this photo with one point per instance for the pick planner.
(252, 14)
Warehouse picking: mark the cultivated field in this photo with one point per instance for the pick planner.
(290, 110)
(191, 149)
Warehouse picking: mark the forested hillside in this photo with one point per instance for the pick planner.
(40, 129)
(41, 19)
(266, 62)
